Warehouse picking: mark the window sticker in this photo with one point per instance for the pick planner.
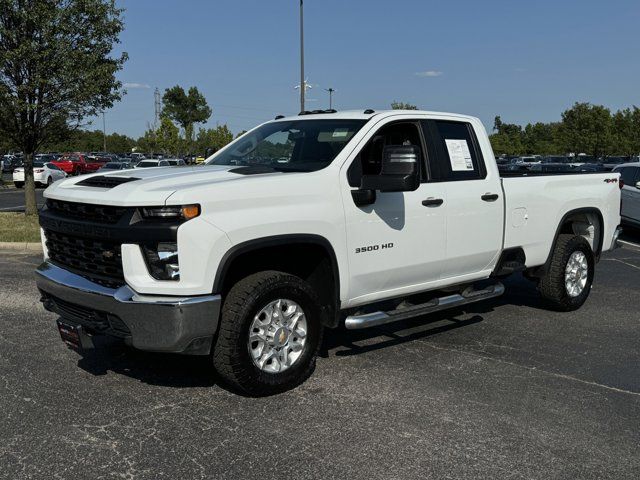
(459, 155)
(340, 132)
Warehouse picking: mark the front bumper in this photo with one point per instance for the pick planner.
(156, 323)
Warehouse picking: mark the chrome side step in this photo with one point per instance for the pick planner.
(374, 319)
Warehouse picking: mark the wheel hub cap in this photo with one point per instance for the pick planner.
(277, 336)
(576, 273)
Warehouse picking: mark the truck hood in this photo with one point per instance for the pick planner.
(144, 186)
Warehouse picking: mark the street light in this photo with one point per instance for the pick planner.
(302, 82)
(104, 134)
(330, 90)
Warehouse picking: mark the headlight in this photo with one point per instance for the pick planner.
(178, 212)
(162, 261)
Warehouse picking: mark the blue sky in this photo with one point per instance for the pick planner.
(524, 60)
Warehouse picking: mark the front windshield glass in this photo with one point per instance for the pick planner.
(296, 145)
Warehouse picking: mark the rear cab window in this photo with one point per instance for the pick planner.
(454, 153)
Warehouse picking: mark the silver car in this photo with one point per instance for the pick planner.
(630, 176)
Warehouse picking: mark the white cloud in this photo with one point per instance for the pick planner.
(136, 85)
(429, 73)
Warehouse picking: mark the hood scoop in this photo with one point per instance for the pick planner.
(103, 181)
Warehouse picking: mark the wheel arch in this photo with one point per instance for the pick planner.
(309, 256)
(567, 225)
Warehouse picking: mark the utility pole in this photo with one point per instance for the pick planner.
(330, 90)
(104, 133)
(302, 82)
(158, 107)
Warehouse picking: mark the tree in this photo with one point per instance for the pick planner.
(587, 128)
(402, 106)
(213, 139)
(185, 109)
(56, 69)
(541, 138)
(508, 138)
(168, 137)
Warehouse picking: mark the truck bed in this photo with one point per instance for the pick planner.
(535, 204)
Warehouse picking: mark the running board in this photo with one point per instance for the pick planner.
(374, 319)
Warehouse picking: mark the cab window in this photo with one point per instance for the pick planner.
(454, 149)
(369, 160)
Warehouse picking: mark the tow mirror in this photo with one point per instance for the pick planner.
(399, 173)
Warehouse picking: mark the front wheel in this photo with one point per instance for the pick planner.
(568, 281)
(18, 184)
(269, 335)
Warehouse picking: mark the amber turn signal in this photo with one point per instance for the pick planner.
(190, 211)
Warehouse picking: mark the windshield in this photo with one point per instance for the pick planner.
(297, 145)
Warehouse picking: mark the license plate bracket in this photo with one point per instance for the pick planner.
(74, 336)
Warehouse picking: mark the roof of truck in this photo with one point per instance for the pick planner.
(365, 114)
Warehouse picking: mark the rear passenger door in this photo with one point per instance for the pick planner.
(475, 207)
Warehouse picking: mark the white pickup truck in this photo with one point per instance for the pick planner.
(308, 223)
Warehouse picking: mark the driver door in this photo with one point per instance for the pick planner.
(396, 244)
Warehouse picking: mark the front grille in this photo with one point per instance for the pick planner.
(102, 181)
(86, 211)
(95, 320)
(98, 260)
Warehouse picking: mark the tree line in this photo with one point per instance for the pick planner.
(166, 139)
(583, 128)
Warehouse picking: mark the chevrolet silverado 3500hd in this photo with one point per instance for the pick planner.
(307, 223)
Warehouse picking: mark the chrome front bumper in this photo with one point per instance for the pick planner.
(147, 322)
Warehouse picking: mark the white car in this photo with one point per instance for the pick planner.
(630, 181)
(375, 217)
(44, 174)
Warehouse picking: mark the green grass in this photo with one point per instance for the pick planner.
(17, 227)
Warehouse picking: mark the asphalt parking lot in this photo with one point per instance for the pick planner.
(12, 199)
(504, 389)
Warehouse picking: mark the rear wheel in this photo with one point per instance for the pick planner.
(18, 184)
(567, 284)
(269, 335)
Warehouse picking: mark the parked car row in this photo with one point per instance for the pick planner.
(562, 163)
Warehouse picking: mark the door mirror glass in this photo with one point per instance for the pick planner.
(399, 172)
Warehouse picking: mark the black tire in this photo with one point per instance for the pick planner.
(19, 184)
(231, 356)
(552, 285)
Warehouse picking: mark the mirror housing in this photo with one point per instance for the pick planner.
(399, 173)
(638, 185)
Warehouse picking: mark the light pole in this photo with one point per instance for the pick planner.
(330, 90)
(104, 134)
(302, 82)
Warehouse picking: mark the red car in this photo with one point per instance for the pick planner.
(77, 163)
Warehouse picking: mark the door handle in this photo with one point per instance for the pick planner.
(489, 197)
(432, 202)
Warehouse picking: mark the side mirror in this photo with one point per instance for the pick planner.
(638, 185)
(399, 173)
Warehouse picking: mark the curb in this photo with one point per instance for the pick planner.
(21, 247)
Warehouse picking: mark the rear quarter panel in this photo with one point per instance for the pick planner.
(535, 206)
